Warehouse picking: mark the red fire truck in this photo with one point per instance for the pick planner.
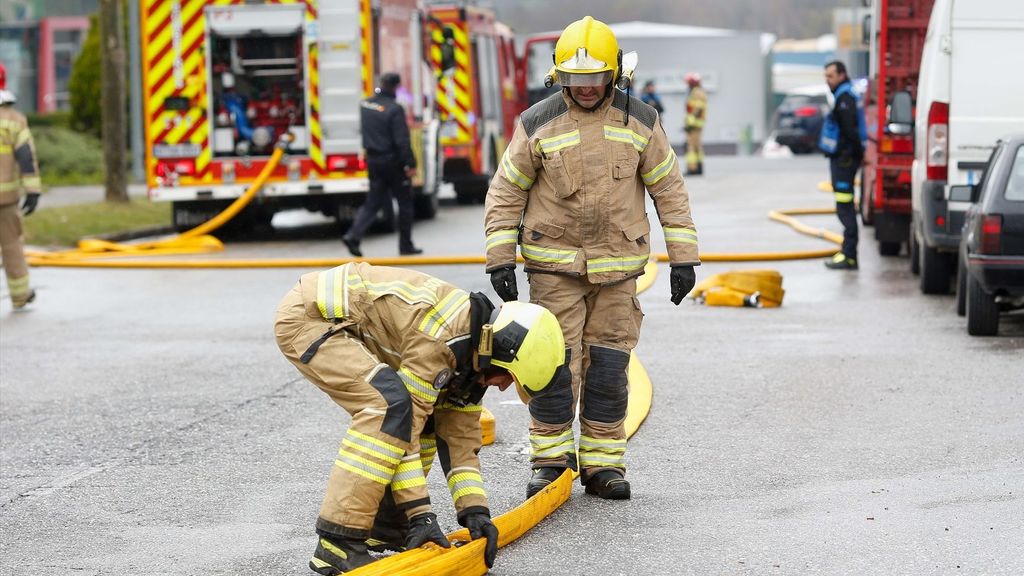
(477, 99)
(898, 30)
(223, 79)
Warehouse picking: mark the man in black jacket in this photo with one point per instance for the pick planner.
(844, 161)
(391, 165)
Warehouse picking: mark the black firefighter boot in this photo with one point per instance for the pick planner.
(542, 477)
(608, 484)
(390, 526)
(335, 556)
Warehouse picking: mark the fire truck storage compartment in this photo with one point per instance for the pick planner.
(257, 62)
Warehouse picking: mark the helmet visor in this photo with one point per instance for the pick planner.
(592, 79)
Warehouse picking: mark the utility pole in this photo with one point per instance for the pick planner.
(112, 94)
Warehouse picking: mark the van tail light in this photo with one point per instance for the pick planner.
(806, 111)
(991, 234)
(345, 163)
(937, 159)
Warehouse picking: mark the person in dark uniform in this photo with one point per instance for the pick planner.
(391, 165)
(843, 141)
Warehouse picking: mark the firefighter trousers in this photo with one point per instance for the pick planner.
(381, 434)
(601, 324)
(694, 149)
(12, 248)
(843, 170)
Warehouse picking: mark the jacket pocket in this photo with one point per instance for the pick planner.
(625, 161)
(637, 231)
(558, 174)
(537, 230)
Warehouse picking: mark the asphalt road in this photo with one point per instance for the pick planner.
(149, 425)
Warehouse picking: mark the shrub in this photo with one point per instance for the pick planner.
(67, 157)
(84, 84)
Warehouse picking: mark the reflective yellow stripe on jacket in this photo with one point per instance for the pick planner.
(553, 255)
(418, 386)
(509, 236)
(616, 264)
(680, 235)
(464, 482)
(627, 136)
(515, 175)
(653, 176)
(450, 306)
(556, 143)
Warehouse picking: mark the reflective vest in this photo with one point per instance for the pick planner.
(828, 142)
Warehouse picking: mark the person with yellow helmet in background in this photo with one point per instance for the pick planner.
(19, 174)
(696, 111)
(409, 357)
(569, 191)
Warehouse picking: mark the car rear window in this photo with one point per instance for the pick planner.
(1015, 185)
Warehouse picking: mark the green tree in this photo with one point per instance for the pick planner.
(84, 83)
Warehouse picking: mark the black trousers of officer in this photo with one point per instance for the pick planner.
(387, 178)
(844, 171)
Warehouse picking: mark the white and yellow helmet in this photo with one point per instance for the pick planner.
(527, 341)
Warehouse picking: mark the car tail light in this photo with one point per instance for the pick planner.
(345, 163)
(938, 141)
(940, 222)
(806, 111)
(991, 234)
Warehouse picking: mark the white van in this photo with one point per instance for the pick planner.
(970, 92)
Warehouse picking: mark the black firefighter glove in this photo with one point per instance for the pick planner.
(31, 201)
(480, 526)
(683, 278)
(504, 282)
(423, 528)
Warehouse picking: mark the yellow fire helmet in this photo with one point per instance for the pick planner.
(527, 341)
(587, 54)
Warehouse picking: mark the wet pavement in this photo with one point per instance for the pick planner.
(149, 425)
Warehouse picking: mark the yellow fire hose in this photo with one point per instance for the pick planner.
(194, 241)
(466, 557)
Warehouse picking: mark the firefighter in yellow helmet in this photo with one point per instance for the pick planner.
(19, 175)
(696, 110)
(569, 192)
(409, 357)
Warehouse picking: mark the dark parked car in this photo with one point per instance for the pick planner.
(798, 121)
(991, 269)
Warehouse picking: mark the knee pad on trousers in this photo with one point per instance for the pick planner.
(554, 406)
(398, 418)
(605, 385)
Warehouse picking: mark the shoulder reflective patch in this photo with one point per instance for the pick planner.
(515, 175)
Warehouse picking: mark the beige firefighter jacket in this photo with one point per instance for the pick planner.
(570, 191)
(696, 108)
(18, 169)
(420, 327)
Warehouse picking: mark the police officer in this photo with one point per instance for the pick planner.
(18, 173)
(696, 110)
(842, 139)
(391, 164)
(570, 192)
(409, 357)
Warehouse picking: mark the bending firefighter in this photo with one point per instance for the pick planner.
(696, 110)
(18, 174)
(570, 192)
(409, 357)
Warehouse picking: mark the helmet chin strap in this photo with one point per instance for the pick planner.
(607, 92)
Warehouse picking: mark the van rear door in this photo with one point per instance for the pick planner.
(985, 100)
